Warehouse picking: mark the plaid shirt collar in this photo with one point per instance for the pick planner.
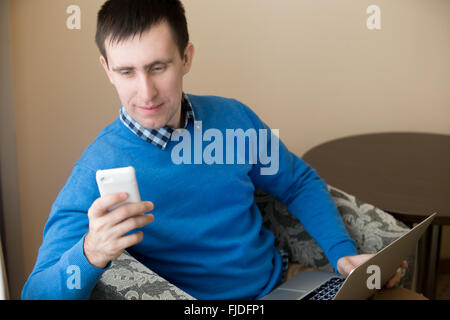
(158, 137)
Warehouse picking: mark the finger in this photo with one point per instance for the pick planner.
(395, 279)
(391, 284)
(130, 240)
(126, 211)
(130, 224)
(345, 267)
(100, 206)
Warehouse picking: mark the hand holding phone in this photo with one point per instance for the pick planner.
(114, 215)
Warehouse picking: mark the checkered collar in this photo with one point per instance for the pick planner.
(158, 137)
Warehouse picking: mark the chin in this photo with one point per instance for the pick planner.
(153, 125)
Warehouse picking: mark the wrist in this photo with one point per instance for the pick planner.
(91, 256)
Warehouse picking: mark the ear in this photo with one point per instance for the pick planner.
(188, 57)
(106, 67)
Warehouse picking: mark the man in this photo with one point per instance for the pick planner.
(205, 233)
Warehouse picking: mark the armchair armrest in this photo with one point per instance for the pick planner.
(128, 279)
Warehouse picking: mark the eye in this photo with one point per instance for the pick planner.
(159, 68)
(126, 73)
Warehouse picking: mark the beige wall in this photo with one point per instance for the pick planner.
(9, 199)
(309, 68)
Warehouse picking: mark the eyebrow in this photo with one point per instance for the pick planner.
(147, 66)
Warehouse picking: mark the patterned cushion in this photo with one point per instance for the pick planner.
(371, 228)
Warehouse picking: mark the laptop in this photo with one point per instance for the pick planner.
(317, 285)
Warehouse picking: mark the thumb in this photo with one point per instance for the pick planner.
(345, 266)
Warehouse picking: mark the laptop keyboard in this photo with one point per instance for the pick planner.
(327, 291)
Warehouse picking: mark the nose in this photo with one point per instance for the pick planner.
(147, 89)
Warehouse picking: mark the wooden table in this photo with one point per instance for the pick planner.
(405, 174)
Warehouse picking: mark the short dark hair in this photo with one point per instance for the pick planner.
(121, 19)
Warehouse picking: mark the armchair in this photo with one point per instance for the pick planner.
(371, 228)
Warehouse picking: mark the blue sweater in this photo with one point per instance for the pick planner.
(207, 237)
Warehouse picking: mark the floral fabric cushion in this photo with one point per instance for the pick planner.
(371, 228)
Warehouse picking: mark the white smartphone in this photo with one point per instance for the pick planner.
(118, 180)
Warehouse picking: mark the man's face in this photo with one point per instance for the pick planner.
(148, 73)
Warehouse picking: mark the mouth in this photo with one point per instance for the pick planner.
(150, 109)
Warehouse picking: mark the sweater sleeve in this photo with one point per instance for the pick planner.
(62, 271)
(293, 182)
